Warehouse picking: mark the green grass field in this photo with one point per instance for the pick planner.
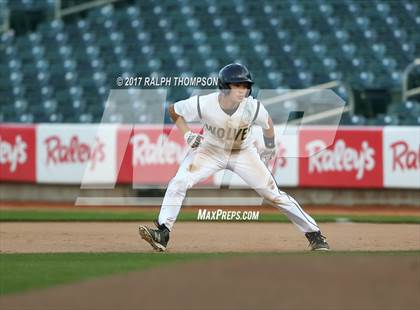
(141, 216)
(23, 272)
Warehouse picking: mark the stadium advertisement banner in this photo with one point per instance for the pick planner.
(149, 155)
(284, 166)
(354, 159)
(401, 151)
(369, 157)
(81, 154)
(17, 153)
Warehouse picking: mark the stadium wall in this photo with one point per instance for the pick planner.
(122, 195)
(353, 165)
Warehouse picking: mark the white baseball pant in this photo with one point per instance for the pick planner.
(206, 160)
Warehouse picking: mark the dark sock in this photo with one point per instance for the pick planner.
(162, 227)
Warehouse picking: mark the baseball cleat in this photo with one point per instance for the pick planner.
(317, 241)
(157, 238)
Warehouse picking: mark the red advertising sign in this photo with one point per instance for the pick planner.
(354, 159)
(76, 154)
(17, 153)
(401, 157)
(149, 155)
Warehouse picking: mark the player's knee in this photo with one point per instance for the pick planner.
(179, 186)
(278, 201)
(275, 200)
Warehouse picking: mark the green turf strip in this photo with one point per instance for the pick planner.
(46, 215)
(23, 272)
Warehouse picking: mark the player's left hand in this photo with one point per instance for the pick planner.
(267, 154)
(193, 139)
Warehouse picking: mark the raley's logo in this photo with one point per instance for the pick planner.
(281, 153)
(340, 158)
(164, 151)
(280, 160)
(75, 152)
(403, 158)
(13, 154)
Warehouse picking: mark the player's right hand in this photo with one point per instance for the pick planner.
(193, 139)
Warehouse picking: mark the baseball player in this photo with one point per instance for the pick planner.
(226, 143)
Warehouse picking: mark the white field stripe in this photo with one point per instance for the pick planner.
(157, 201)
(300, 92)
(412, 92)
(84, 6)
(318, 116)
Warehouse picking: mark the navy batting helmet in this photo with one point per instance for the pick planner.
(234, 73)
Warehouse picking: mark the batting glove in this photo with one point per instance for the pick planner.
(267, 154)
(270, 150)
(193, 139)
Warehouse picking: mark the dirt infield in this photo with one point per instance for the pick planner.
(27, 237)
(267, 282)
(261, 282)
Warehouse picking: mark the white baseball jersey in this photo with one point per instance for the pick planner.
(223, 132)
(221, 129)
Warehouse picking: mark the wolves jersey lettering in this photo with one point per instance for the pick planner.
(221, 129)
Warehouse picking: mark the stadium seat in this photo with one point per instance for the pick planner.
(350, 119)
(384, 120)
(289, 44)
